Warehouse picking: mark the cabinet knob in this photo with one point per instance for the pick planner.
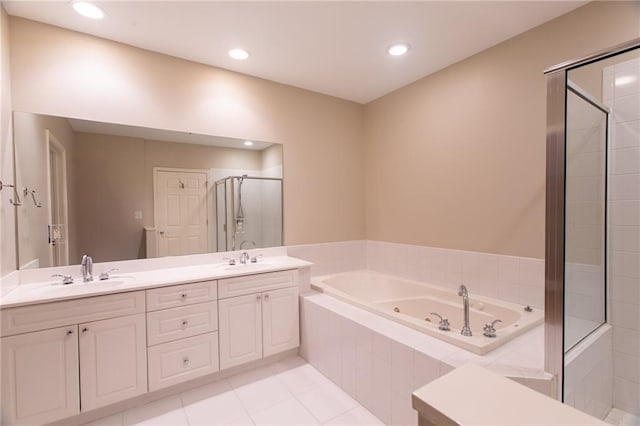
(185, 361)
(84, 330)
(69, 333)
(183, 296)
(266, 296)
(185, 323)
(258, 297)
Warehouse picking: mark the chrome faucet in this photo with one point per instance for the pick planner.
(462, 291)
(87, 268)
(245, 256)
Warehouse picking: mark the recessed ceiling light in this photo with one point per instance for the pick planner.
(239, 54)
(248, 143)
(624, 80)
(88, 10)
(398, 49)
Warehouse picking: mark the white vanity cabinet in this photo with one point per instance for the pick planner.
(113, 360)
(40, 376)
(182, 333)
(62, 358)
(52, 373)
(258, 316)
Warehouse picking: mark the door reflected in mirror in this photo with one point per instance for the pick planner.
(120, 192)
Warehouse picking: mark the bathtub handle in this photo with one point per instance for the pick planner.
(444, 322)
(489, 329)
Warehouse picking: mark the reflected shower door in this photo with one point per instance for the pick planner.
(585, 216)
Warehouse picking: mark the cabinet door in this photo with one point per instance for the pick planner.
(240, 329)
(40, 376)
(113, 360)
(280, 324)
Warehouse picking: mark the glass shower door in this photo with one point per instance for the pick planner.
(585, 216)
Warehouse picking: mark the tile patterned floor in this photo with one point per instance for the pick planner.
(622, 418)
(289, 392)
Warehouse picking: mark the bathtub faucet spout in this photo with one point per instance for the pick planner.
(462, 291)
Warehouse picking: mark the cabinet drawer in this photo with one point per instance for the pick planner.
(58, 314)
(181, 295)
(238, 286)
(178, 323)
(182, 360)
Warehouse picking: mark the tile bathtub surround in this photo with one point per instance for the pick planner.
(288, 392)
(379, 363)
(332, 258)
(624, 233)
(510, 278)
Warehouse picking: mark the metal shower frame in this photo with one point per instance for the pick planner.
(555, 206)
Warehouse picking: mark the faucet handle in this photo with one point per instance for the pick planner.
(254, 259)
(231, 260)
(489, 329)
(105, 275)
(444, 324)
(66, 279)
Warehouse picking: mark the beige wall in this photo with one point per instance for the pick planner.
(115, 179)
(60, 72)
(32, 155)
(272, 157)
(457, 159)
(7, 211)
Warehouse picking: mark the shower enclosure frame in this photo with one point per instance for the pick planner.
(226, 225)
(555, 206)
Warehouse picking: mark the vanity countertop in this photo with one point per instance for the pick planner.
(52, 291)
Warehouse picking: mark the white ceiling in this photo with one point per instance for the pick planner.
(331, 47)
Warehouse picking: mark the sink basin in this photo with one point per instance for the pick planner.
(79, 285)
(248, 266)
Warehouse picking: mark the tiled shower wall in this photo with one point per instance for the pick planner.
(624, 230)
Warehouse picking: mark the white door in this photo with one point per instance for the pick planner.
(280, 325)
(40, 376)
(240, 329)
(58, 240)
(180, 203)
(113, 360)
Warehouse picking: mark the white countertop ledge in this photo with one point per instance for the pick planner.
(473, 395)
(53, 290)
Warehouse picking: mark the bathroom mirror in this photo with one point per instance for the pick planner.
(120, 192)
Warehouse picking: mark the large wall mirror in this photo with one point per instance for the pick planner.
(120, 192)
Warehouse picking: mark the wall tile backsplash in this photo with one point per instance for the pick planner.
(510, 278)
(513, 279)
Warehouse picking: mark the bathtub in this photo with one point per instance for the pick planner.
(411, 303)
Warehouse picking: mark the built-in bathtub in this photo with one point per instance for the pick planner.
(412, 303)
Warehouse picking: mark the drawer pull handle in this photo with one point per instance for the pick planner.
(185, 323)
(69, 333)
(185, 361)
(183, 296)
